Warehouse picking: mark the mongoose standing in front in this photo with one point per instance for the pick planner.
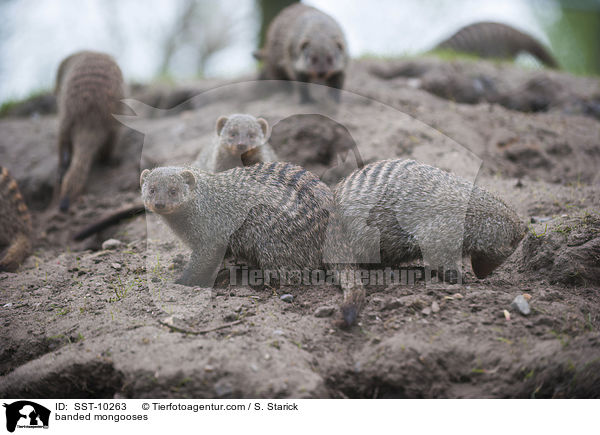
(276, 216)
(242, 141)
(89, 87)
(496, 40)
(402, 210)
(304, 44)
(15, 227)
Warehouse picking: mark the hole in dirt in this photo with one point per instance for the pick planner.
(318, 144)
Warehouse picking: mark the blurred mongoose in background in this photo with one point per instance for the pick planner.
(306, 45)
(495, 40)
(273, 215)
(242, 141)
(401, 210)
(15, 224)
(89, 87)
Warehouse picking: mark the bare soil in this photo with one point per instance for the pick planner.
(81, 322)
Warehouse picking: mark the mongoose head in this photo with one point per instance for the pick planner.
(165, 190)
(320, 58)
(240, 133)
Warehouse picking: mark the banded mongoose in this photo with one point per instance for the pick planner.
(89, 87)
(15, 228)
(276, 216)
(242, 141)
(306, 45)
(496, 40)
(401, 210)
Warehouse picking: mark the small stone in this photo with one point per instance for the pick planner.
(287, 298)
(426, 311)
(435, 307)
(111, 244)
(457, 296)
(527, 296)
(278, 332)
(116, 266)
(324, 311)
(7, 305)
(506, 315)
(520, 303)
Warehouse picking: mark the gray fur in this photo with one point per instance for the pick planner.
(242, 140)
(401, 210)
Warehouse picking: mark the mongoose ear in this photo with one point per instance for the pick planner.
(143, 176)
(264, 126)
(188, 177)
(482, 265)
(220, 124)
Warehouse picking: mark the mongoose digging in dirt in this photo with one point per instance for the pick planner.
(401, 210)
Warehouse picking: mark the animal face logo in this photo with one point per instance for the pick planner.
(26, 414)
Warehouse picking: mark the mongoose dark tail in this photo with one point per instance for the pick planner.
(16, 225)
(110, 220)
(87, 143)
(496, 40)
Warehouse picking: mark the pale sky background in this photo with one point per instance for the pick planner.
(37, 34)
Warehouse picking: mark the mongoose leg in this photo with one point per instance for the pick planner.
(203, 267)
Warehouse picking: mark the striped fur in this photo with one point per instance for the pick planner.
(487, 39)
(15, 229)
(273, 215)
(89, 87)
(401, 210)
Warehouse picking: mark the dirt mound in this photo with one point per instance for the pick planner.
(567, 252)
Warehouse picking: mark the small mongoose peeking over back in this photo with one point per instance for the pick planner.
(242, 141)
(400, 210)
(275, 216)
(496, 40)
(89, 87)
(304, 44)
(15, 227)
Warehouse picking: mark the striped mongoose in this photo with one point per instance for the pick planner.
(89, 87)
(15, 230)
(306, 45)
(277, 216)
(496, 40)
(242, 141)
(402, 210)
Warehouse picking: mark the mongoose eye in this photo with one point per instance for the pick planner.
(173, 191)
(252, 135)
(340, 46)
(151, 190)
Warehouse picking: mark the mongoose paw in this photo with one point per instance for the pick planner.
(349, 315)
(64, 204)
